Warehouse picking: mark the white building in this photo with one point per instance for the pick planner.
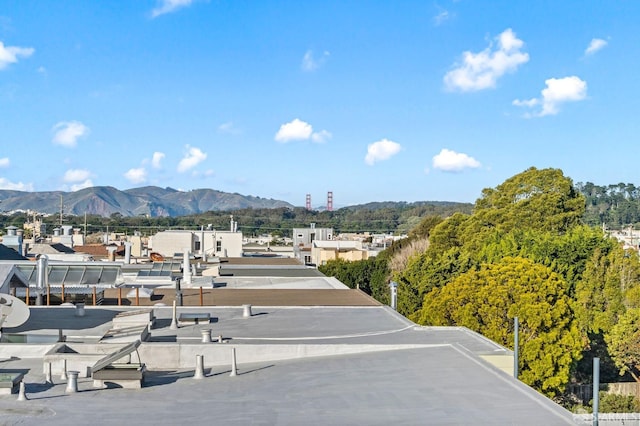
(303, 239)
(205, 243)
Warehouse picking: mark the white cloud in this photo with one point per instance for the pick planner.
(380, 151)
(4, 162)
(82, 185)
(557, 92)
(298, 130)
(192, 158)
(156, 161)
(67, 133)
(451, 161)
(311, 63)
(10, 54)
(6, 184)
(595, 45)
(229, 128)
(321, 137)
(138, 175)
(441, 17)
(295, 130)
(76, 175)
(481, 70)
(169, 6)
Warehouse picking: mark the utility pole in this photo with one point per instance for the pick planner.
(61, 210)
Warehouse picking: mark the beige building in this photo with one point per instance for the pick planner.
(324, 251)
(205, 243)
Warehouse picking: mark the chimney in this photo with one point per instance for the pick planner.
(112, 253)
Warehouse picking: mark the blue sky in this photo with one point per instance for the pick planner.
(372, 100)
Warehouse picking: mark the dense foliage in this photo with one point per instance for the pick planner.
(525, 251)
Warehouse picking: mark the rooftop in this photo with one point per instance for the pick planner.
(311, 352)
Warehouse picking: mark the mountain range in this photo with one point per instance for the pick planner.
(149, 200)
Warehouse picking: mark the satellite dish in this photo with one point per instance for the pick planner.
(13, 311)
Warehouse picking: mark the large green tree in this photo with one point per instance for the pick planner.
(487, 300)
(542, 199)
(624, 343)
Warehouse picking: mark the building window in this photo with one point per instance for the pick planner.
(300, 236)
(197, 246)
(218, 246)
(307, 259)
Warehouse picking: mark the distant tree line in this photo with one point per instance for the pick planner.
(616, 206)
(396, 218)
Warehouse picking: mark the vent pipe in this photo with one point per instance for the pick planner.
(42, 277)
(127, 252)
(186, 267)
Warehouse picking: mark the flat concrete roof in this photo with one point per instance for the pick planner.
(376, 367)
(277, 271)
(405, 388)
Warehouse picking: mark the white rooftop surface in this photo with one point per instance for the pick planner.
(316, 366)
(248, 282)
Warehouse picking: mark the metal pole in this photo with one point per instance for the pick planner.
(178, 292)
(516, 327)
(394, 295)
(596, 389)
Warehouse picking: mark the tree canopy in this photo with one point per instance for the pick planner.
(487, 301)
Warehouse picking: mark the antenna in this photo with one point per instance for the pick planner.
(13, 311)
(308, 202)
(330, 201)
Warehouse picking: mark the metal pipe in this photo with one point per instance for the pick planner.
(42, 280)
(596, 390)
(186, 267)
(516, 341)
